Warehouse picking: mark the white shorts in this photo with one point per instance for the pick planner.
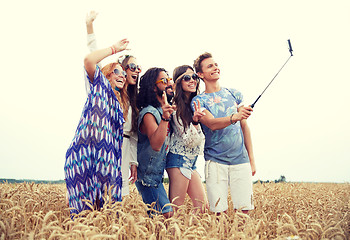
(219, 177)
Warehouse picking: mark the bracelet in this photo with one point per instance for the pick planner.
(195, 123)
(113, 50)
(232, 123)
(167, 120)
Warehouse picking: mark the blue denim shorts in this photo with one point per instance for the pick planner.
(154, 194)
(186, 164)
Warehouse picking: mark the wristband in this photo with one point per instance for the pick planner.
(113, 50)
(167, 120)
(195, 123)
(232, 123)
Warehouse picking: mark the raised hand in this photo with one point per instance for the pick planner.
(121, 45)
(167, 108)
(90, 17)
(198, 113)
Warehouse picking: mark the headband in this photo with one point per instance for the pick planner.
(122, 58)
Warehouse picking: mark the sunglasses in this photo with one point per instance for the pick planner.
(133, 67)
(118, 72)
(187, 78)
(164, 80)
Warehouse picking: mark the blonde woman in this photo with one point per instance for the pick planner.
(133, 70)
(93, 159)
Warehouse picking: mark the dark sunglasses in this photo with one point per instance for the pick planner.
(187, 78)
(118, 72)
(133, 67)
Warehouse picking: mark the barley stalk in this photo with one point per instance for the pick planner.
(306, 210)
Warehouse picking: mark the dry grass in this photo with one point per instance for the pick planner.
(283, 211)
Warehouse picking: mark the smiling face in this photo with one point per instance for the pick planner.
(210, 70)
(189, 86)
(170, 88)
(162, 81)
(117, 80)
(132, 71)
(164, 84)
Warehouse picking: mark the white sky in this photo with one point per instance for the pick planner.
(300, 126)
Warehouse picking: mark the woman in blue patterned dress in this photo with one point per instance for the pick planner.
(133, 70)
(93, 159)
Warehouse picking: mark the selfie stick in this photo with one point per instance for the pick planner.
(291, 54)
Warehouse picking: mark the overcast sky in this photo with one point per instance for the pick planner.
(300, 126)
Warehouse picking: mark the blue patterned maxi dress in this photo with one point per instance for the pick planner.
(93, 160)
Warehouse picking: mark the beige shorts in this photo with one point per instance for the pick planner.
(219, 177)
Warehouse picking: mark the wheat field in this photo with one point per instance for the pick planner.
(282, 211)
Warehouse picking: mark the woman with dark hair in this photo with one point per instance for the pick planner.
(133, 70)
(153, 138)
(187, 142)
(93, 159)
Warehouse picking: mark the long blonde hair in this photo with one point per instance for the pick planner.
(122, 94)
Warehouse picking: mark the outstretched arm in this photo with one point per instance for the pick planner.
(95, 57)
(219, 123)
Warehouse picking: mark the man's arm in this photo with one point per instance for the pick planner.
(248, 144)
(219, 123)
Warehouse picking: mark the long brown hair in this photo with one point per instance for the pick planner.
(183, 101)
(132, 94)
(121, 95)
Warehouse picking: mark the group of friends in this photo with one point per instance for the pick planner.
(134, 127)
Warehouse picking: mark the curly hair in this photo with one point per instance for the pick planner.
(147, 95)
(199, 60)
(122, 95)
(183, 101)
(132, 94)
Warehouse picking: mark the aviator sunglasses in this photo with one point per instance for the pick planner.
(133, 67)
(164, 80)
(187, 78)
(118, 72)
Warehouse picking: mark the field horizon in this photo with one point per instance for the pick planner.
(61, 181)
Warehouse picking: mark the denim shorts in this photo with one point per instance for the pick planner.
(186, 164)
(154, 194)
